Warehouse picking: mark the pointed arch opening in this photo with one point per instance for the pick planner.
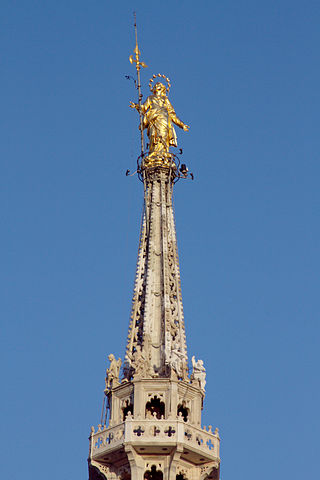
(183, 411)
(128, 407)
(153, 474)
(155, 408)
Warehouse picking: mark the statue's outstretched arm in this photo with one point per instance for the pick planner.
(174, 117)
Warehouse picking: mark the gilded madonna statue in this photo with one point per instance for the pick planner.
(158, 118)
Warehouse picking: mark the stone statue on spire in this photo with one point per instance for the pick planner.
(112, 373)
(199, 372)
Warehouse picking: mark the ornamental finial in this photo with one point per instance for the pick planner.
(136, 50)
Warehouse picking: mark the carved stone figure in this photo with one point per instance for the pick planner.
(141, 364)
(178, 361)
(158, 117)
(113, 372)
(199, 372)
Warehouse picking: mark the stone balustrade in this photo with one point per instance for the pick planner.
(153, 431)
(107, 438)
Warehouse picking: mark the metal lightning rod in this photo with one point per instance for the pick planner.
(139, 64)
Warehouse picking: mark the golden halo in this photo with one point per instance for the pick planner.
(161, 76)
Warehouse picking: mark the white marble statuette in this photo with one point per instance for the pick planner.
(199, 372)
(113, 372)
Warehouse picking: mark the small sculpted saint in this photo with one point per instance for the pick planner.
(178, 360)
(112, 373)
(199, 372)
(158, 117)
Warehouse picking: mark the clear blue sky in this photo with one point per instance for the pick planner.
(245, 77)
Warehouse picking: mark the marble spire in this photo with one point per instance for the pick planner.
(156, 340)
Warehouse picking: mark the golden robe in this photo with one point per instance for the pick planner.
(158, 116)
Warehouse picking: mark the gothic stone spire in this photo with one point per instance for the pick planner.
(156, 341)
(154, 430)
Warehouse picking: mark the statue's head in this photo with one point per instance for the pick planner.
(159, 89)
(111, 357)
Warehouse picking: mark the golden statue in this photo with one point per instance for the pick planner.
(158, 117)
(156, 114)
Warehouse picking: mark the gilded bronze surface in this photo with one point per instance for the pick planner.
(158, 118)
